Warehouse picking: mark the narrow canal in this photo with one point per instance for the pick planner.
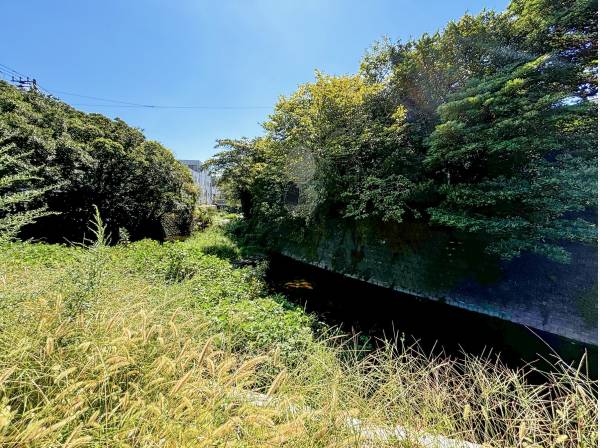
(376, 312)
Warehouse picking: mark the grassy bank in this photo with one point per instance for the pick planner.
(170, 345)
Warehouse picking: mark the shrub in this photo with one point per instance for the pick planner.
(208, 359)
(203, 217)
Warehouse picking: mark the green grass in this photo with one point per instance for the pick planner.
(167, 345)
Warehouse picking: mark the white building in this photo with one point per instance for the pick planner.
(209, 193)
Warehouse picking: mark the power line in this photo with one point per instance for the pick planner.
(14, 72)
(173, 107)
(125, 104)
(22, 82)
(102, 99)
(121, 103)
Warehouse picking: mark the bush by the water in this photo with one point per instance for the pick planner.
(149, 344)
(487, 127)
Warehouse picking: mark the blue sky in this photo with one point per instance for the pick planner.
(229, 53)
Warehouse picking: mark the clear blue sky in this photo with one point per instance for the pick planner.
(194, 52)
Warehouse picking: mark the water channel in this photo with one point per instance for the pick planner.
(359, 307)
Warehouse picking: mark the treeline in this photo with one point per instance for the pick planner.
(487, 127)
(57, 163)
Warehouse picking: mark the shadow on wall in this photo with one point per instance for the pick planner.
(446, 266)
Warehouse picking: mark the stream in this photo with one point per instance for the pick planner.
(359, 307)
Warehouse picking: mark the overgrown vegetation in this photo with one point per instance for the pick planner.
(487, 127)
(80, 160)
(17, 191)
(145, 344)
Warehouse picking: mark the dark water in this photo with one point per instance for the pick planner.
(359, 307)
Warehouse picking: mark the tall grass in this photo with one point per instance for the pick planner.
(153, 345)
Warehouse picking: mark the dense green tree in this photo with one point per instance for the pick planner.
(486, 127)
(253, 173)
(17, 190)
(515, 157)
(136, 184)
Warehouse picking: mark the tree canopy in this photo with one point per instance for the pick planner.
(84, 160)
(487, 127)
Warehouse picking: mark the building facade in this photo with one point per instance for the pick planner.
(209, 193)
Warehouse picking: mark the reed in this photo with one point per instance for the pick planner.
(143, 360)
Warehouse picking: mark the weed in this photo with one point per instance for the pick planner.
(165, 345)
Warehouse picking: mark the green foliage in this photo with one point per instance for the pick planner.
(172, 347)
(17, 191)
(204, 216)
(90, 269)
(518, 161)
(91, 159)
(487, 127)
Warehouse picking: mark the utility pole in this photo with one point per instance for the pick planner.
(25, 84)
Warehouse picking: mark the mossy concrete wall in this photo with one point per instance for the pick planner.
(454, 268)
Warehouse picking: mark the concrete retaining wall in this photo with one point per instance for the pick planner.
(454, 268)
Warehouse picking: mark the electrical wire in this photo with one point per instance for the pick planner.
(6, 67)
(6, 70)
(149, 106)
(127, 104)
(120, 103)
